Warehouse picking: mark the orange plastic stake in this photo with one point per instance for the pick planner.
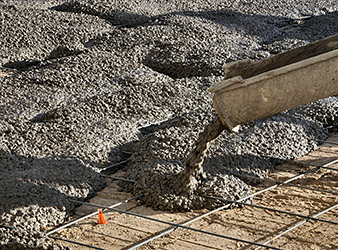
(101, 217)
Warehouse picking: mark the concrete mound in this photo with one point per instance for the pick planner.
(230, 162)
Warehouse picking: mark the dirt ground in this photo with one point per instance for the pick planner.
(123, 231)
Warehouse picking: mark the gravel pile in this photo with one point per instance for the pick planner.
(98, 81)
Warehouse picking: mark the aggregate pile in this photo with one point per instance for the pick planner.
(98, 82)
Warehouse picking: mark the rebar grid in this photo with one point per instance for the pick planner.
(300, 224)
(280, 182)
(239, 201)
(76, 242)
(325, 166)
(173, 224)
(91, 214)
(113, 165)
(271, 209)
(329, 142)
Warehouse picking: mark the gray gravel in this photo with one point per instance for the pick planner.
(98, 81)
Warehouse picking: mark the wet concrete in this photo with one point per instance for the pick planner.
(93, 80)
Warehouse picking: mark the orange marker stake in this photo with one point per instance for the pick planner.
(101, 217)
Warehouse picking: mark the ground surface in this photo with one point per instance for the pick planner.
(88, 84)
(123, 231)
